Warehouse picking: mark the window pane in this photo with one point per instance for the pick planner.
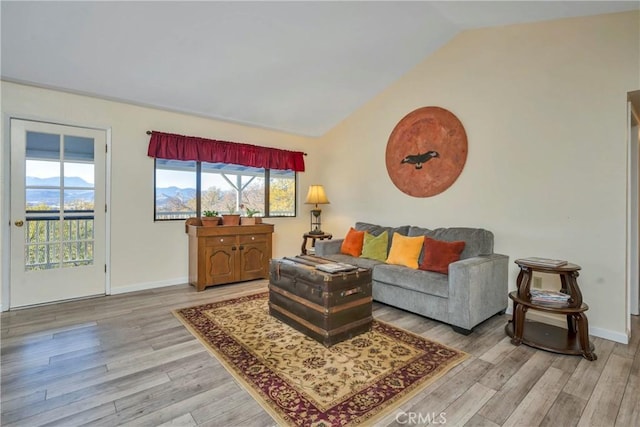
(226, 187)
(77, 253)
(78, 229)
(43, 146)
(79, 175)
(42, 200)
(42, 257)
(78, 148)
(79, 200)
(282, 193)
(175, 189)
(42, 173)
(253, 196)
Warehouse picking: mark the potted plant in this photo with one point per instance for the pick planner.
(250, 219)
(210, 218)
(231, 218)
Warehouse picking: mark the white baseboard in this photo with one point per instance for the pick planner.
(558, 320)
(620, 337)
(148, 285)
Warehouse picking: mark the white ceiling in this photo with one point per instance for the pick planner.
(300, 67)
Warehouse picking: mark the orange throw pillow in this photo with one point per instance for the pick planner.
(352, 244)
(439, 254)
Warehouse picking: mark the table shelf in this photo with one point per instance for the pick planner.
(550, 338)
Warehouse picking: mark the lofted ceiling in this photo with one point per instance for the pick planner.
(298, 67)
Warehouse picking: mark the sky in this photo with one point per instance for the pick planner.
(50, 169)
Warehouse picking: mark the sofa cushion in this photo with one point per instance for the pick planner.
(419, 231)
(375, 247)
(377, 230)
(426, 282)
(405, 250)
(348, 259)
(478, 241)
(352, 244)
(439, 254)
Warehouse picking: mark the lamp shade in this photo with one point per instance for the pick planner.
(316, 195)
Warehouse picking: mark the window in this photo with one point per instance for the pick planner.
(184, 189)
(60, 198)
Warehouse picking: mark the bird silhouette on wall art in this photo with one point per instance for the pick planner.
(419, 159)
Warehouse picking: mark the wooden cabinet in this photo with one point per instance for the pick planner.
(227, 254)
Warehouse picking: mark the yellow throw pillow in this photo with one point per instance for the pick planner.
(405, 250)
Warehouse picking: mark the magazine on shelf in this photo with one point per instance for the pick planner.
(547, 297)
(335, 267)
(545, 262)
(552, 303)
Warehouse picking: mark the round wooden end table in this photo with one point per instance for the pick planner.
(575, 339)
(313, 238)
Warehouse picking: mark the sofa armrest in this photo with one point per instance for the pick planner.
(328, 247)
(478, 289)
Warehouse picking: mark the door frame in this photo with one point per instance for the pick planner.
(5, 201)
(633, 212)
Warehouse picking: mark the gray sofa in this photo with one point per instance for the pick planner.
(474, 290)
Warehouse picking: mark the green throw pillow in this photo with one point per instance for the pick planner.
(375, 247)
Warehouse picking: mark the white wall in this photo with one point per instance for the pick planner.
(145, 253)
(544, 108)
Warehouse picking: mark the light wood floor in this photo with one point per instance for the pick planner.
(126, 360)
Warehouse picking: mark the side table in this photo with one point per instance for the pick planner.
(575, 339)
(313, 238)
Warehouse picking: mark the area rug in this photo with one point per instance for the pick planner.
(299, 382)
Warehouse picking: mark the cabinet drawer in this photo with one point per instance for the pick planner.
(253, 238)
(220, 240)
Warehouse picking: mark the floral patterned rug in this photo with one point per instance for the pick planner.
(300, 382)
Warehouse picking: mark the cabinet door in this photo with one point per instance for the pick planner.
(221, 264)
(254, 257)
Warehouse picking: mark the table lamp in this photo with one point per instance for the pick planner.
(316, 196)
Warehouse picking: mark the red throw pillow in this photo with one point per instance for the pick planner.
(439, 254)
(352, 244)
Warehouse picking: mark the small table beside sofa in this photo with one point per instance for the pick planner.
(463, 294)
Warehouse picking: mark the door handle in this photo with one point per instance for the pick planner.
(19, 223)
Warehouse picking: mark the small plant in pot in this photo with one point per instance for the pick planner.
(232, 218)
(251, 217)
(210, 218)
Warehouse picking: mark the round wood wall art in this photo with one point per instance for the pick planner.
(426, 152)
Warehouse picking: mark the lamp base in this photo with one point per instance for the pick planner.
(316, 222)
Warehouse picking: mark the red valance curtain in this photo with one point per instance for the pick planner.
(180, 147)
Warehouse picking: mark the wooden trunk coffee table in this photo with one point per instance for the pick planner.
(328, 307)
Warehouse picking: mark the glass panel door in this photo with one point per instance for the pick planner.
(58, 181)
